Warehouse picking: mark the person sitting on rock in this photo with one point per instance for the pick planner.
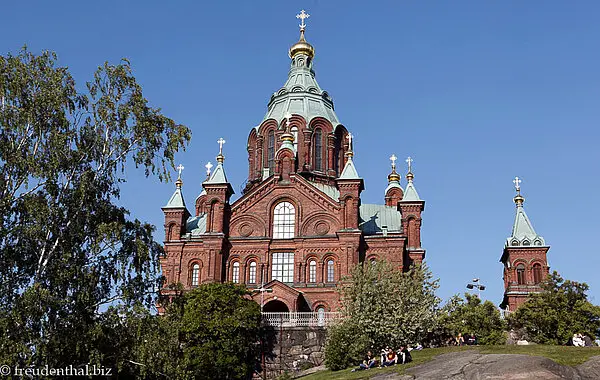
(460, 341)
(390, 358)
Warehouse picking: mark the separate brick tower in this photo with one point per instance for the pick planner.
(524, 259)
(299, 226)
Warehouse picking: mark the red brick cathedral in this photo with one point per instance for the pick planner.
(524, 258)
(299, 225)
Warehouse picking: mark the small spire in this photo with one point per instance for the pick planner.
(220, 157)
(208, 166)
(518, 199)
(179, 181)
(393, 176)
(350, 152)
(287, 137)
(409, 176)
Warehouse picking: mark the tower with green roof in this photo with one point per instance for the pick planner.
(524, 258)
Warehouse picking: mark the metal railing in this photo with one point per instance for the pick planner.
(300, 319)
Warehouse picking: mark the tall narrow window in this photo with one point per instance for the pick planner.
(195, 274)
(271, 151)
(330, 271)
(312, 271)
(283, 267)
(284, 217)
(537, 273)
(235, 273)
(252, 273)
(318, 150)
(521, 274)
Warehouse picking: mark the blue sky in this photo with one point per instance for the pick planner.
(476, 92)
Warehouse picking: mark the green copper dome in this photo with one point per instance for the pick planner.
(301, 94)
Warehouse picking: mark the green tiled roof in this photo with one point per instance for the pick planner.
(218, 176)
(301, 95)
(196, 225)
(176, 200)
(523, 233)
(411, 193)
(372, 219)
(349, 171)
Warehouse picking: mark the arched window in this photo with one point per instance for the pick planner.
(330, 271)
(318, 150)
(284, 217)
(321, 315)
(537, 273)
(252, 273)
(521, 274)
(235, 272)
(312, 271)
(271, 151)
(195, 274)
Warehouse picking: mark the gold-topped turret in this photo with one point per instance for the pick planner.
(393, 176)
(518, 199)
(220, 157)
(179, 181)
(409, 176)
(302, 47)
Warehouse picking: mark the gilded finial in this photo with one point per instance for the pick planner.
(409, 176)
(287, 135)
(393, 176)
(220, 157)
(302, 46)
(179, 181)
(350, 152)
(518, 199)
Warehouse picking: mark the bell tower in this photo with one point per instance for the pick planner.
(524, 258)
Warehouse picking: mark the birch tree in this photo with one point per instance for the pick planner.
(66, 248)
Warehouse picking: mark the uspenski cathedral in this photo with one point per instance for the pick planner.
(299, 225)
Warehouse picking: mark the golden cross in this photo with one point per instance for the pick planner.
(302, 16)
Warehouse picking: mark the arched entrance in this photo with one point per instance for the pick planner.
(275, 306)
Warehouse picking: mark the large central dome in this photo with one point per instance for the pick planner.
(301, 94)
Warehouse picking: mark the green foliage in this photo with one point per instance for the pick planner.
(212, 332)
(67, 249)
(385, 305)
(553, 316)
(346, 345)
(473, 317)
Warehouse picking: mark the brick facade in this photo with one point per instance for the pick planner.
(299, 159)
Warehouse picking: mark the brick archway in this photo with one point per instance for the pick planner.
(275, 306)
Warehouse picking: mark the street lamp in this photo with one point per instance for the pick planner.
(476, 285)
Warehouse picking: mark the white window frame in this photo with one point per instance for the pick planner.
(252, 273)
(282, 267)
(330, 270)
(284, 220)
(235, 272)
(195, 274)
(312, 271)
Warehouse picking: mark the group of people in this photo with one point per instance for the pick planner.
(460, 340)
(388, 357)
(580, 340)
